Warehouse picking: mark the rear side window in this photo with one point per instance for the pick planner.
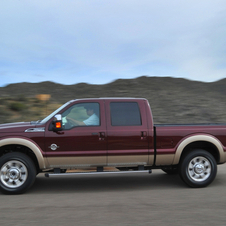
(125, 114)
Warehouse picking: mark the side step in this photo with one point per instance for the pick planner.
(96, 173)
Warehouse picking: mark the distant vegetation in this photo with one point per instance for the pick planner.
(172, 100)
(24, 109)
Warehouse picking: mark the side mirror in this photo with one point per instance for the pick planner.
(57, 123)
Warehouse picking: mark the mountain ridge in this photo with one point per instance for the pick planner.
(173, 100)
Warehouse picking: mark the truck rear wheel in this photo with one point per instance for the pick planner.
(17, 173)
(198, 169)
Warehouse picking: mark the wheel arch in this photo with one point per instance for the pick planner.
(35, 151)
(206, 142)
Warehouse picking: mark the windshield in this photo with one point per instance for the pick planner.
(55, 112)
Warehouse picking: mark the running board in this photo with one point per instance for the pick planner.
(96, 173)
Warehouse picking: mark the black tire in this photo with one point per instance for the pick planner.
(198, 168)
(17, 173)
(170, 170)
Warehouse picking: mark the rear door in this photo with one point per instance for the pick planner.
(127, 132)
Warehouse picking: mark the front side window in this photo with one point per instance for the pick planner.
(125, 114)
(82, 114)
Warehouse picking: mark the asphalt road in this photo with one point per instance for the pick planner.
(134, 199)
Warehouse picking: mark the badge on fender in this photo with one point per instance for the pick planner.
(53, 147)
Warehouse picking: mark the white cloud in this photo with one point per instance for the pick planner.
(98, 41)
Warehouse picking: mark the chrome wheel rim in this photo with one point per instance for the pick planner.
(13, 174)
(199, 168)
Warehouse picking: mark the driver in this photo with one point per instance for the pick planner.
(93, 119)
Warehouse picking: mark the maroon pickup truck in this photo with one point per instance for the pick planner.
(103, 133)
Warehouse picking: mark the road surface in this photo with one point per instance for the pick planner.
(105, 200)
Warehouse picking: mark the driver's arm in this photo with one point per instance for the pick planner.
(76, 122)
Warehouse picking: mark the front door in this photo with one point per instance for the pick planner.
(82, 142)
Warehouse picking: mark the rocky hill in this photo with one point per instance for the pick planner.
(173, 100)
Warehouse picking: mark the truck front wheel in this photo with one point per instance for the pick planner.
(198, 168)
(17, 173)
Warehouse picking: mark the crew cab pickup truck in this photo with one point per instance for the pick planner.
(115, 133)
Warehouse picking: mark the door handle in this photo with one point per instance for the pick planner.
(143, 135)
(101, 135)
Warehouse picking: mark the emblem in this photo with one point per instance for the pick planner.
(53, 147)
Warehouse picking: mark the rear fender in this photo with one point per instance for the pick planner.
(195, 138)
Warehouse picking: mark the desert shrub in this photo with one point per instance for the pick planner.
(17, 106)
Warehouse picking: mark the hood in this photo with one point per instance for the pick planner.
(15, 127)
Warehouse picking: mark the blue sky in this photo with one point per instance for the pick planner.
(98, 41)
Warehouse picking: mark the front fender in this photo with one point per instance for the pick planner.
(28, 143)
(195, 138)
